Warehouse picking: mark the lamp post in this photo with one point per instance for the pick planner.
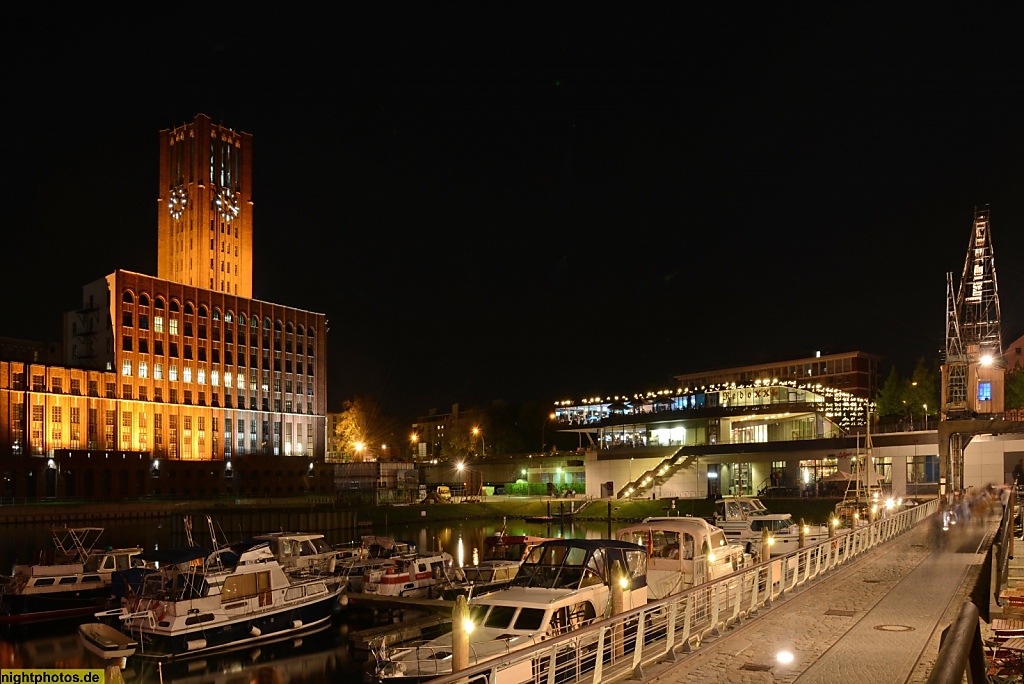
(483, 447)
(414, 440)
(925, 416)
(543, 428)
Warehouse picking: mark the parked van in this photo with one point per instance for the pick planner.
(444, 493)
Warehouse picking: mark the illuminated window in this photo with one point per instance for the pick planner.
(174, 326)
(187, 374)
(173, 375)
(126, 367)
(227, 379)
(985, 391)
(143, 369)
(201, 376)
(158, 371)
(214, 378)
(158, 324)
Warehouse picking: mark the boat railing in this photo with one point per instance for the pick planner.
(621, 646)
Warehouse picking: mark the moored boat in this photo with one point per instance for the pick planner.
(200, 602)
(745, 519)
(562, 585)
(72, 580)
(684, 552)
(106, 641)
(503, 554)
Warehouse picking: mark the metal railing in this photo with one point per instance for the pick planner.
(621, 646)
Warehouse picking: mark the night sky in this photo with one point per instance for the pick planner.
(536, 207)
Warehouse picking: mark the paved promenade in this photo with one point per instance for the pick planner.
(877, 619)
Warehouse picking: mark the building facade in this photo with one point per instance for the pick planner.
(180, 376)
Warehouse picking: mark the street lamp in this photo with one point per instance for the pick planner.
(414, 439)
(477, 433)
(543, 426)
(359, 446)
(925, 416)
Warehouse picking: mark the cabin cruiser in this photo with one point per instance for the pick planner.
(684, 552)
(198, 602)
(744, 520)
(389, 567)
(72, 580)
(503, 554)
(302, 553)
(562, 585)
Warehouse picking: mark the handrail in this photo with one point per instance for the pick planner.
(962, 651)
(620, 646)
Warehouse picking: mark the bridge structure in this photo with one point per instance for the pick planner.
(868, 605)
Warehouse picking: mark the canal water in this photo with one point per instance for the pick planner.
(322, 657)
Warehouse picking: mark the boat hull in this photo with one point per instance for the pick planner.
(17, 609)
(225, 634)
(106, 641)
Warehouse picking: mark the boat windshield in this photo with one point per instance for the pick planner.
(504, 551)
(772, 524)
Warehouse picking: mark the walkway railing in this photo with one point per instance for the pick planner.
(622, 646)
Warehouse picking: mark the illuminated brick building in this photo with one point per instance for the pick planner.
(181, 384)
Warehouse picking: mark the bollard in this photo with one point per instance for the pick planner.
(461, 627)
(766, 544)
(803, 534)
(618, 605)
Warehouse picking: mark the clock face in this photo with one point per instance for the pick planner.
(226, 204)
(177, 202)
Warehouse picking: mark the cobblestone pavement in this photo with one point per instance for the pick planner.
(877, 619)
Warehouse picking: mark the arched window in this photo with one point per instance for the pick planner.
(301, 331)
(277, 326)
(127, 297)
(241, 320)
(310, 333)
(174, 306)
(228, 317)
(216, 314)
(143, 300)
(158, 303)
(266, 324)
(289, 328)
(202, 311)
(188, 309)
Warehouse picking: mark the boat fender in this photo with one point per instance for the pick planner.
(296, 624)
(332, 565)
(343, 600)
(194, 644)
(254, 631)
(391, 571)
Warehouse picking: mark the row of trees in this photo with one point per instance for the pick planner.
(919, 397)
(365, 433)
(503, 428)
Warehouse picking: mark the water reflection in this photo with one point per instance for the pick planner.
(326, 656)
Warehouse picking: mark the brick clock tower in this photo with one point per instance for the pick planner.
(205, 207)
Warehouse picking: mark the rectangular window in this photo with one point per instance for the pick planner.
(110, 391)
(158, 324)
(173, 373)
(984, 391)
(76, 386)
(143, 394)
(200, 375)
(187, 374)
(215, 378)
(174, 326)
(38, 383)
(227, 379)
(126, 368)
(158, 371)
(158, 347)
(143, 369)
(126, 391)
(126, 343)
(144, 345)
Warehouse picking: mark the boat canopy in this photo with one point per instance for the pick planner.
(175, 556)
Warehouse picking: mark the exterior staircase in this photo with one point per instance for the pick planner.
(657, 476)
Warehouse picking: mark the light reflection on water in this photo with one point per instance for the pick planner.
(326, 656)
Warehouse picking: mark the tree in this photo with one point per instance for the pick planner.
(924, 390)
(363, 429)
(1013, 397)
(889, 401)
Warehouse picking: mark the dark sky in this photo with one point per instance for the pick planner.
(509, 206)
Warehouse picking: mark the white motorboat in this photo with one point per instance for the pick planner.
(744, 520)
(72, 580)
(395, 568)
(503, 554)
(684, 552)
(106, 641)
(199, 602)
(563, 585)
